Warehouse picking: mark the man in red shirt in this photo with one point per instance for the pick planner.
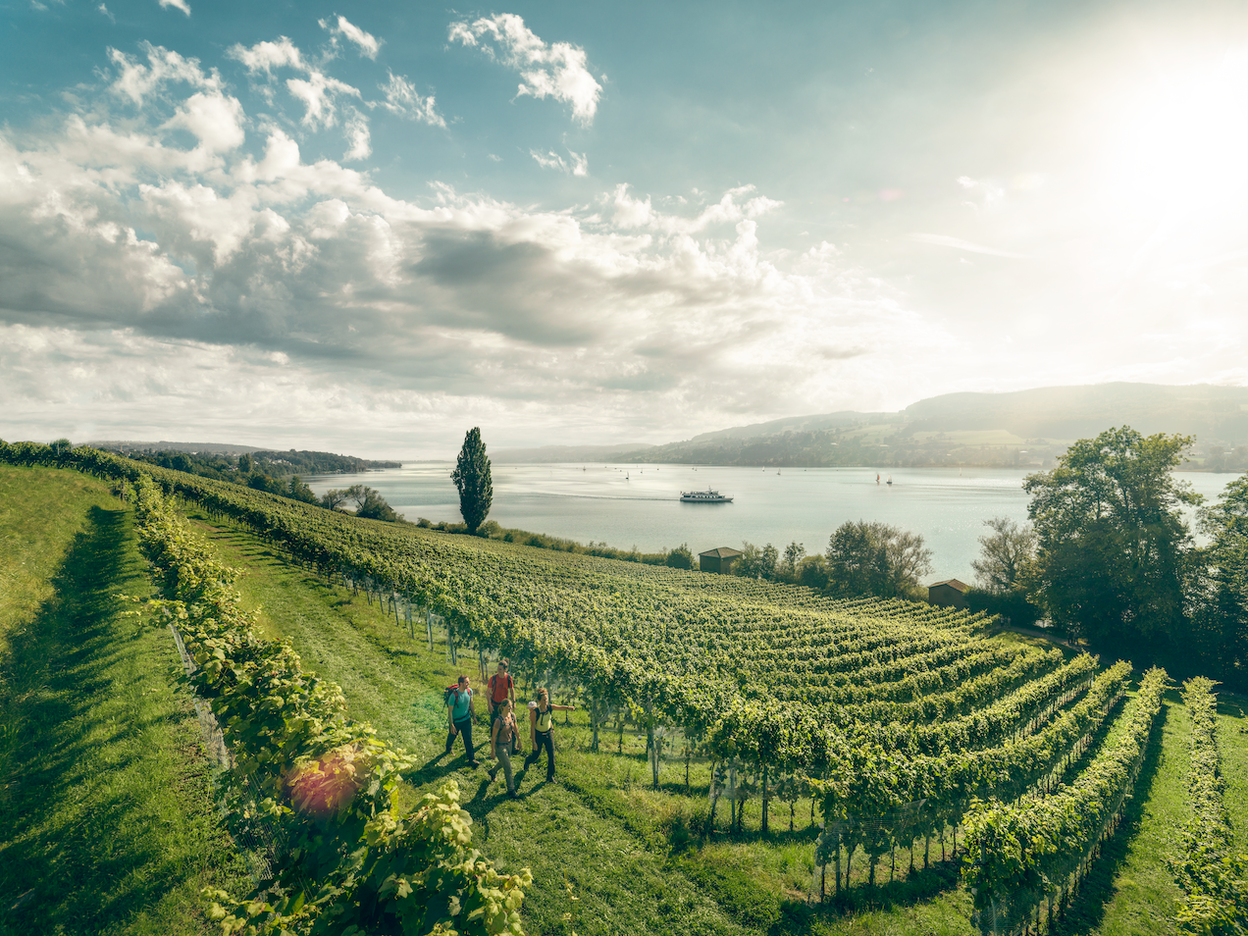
(501, 687)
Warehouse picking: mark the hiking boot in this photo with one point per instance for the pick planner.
(492, 773)
(473, 763)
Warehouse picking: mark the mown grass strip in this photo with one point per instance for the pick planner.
(107, 815)
(1211, 873)
(1130, 890)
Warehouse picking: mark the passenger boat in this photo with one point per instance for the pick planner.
(704, 497)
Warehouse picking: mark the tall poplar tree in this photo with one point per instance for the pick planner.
(472, 477)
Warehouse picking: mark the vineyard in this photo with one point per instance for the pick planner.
(872, 744)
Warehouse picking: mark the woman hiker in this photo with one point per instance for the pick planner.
(460, 711)
(502, 733)
(541, 728)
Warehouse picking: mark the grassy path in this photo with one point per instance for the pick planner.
(107, 822)
(1131, 890)
(1233, 746)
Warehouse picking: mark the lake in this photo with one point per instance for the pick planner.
(630, 505)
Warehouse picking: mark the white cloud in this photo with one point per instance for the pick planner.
(317, 92)
(942, 240)
(137, 81)
(312, 261)
(578, 166)
(266, 56)
(104, 9)
(556, 70)
(549, 160)
(177, 5)
(368, 44)
(629, 212)
(215, 119)
(186, 225)
(402, 99)
(318, 95)
(358, 136)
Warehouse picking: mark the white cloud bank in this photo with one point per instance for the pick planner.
(556, 69)
(122, 234)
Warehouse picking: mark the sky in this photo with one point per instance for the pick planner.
(369, 227)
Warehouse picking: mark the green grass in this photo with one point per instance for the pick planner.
(1131, 889)
(1233, 746)
(106, 802)
(40, 514)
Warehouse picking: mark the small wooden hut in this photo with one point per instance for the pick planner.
(950, 593)
(718, 560)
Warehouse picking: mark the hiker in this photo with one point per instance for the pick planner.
(541, 730)
(460, 711)
(502, 733)
(502, 688)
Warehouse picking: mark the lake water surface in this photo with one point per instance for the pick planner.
(630, 505)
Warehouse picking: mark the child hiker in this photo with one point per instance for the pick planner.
(502, 733)
(541, 730)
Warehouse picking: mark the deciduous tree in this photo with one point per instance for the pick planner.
(1112, 543)
(755, 562)
(1218, 596)
(680, 558)
(794, 553)
(1005, 554)
(874, 558)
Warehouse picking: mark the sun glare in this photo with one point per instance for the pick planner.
(1180, 142)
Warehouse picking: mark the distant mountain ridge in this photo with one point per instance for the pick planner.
(1024, 428)
(1213, 414)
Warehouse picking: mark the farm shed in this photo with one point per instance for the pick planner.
(718, 560)
(949, 593)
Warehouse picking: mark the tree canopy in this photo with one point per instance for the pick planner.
(1005, 555)
(1218, 644)
(370, 504)
(472, 477)
(874, 558)
(1112, 547)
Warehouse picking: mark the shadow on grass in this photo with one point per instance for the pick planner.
(1088, 910)
(76, 861)
(1231, 705)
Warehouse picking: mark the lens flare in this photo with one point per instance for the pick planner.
(326, 786)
